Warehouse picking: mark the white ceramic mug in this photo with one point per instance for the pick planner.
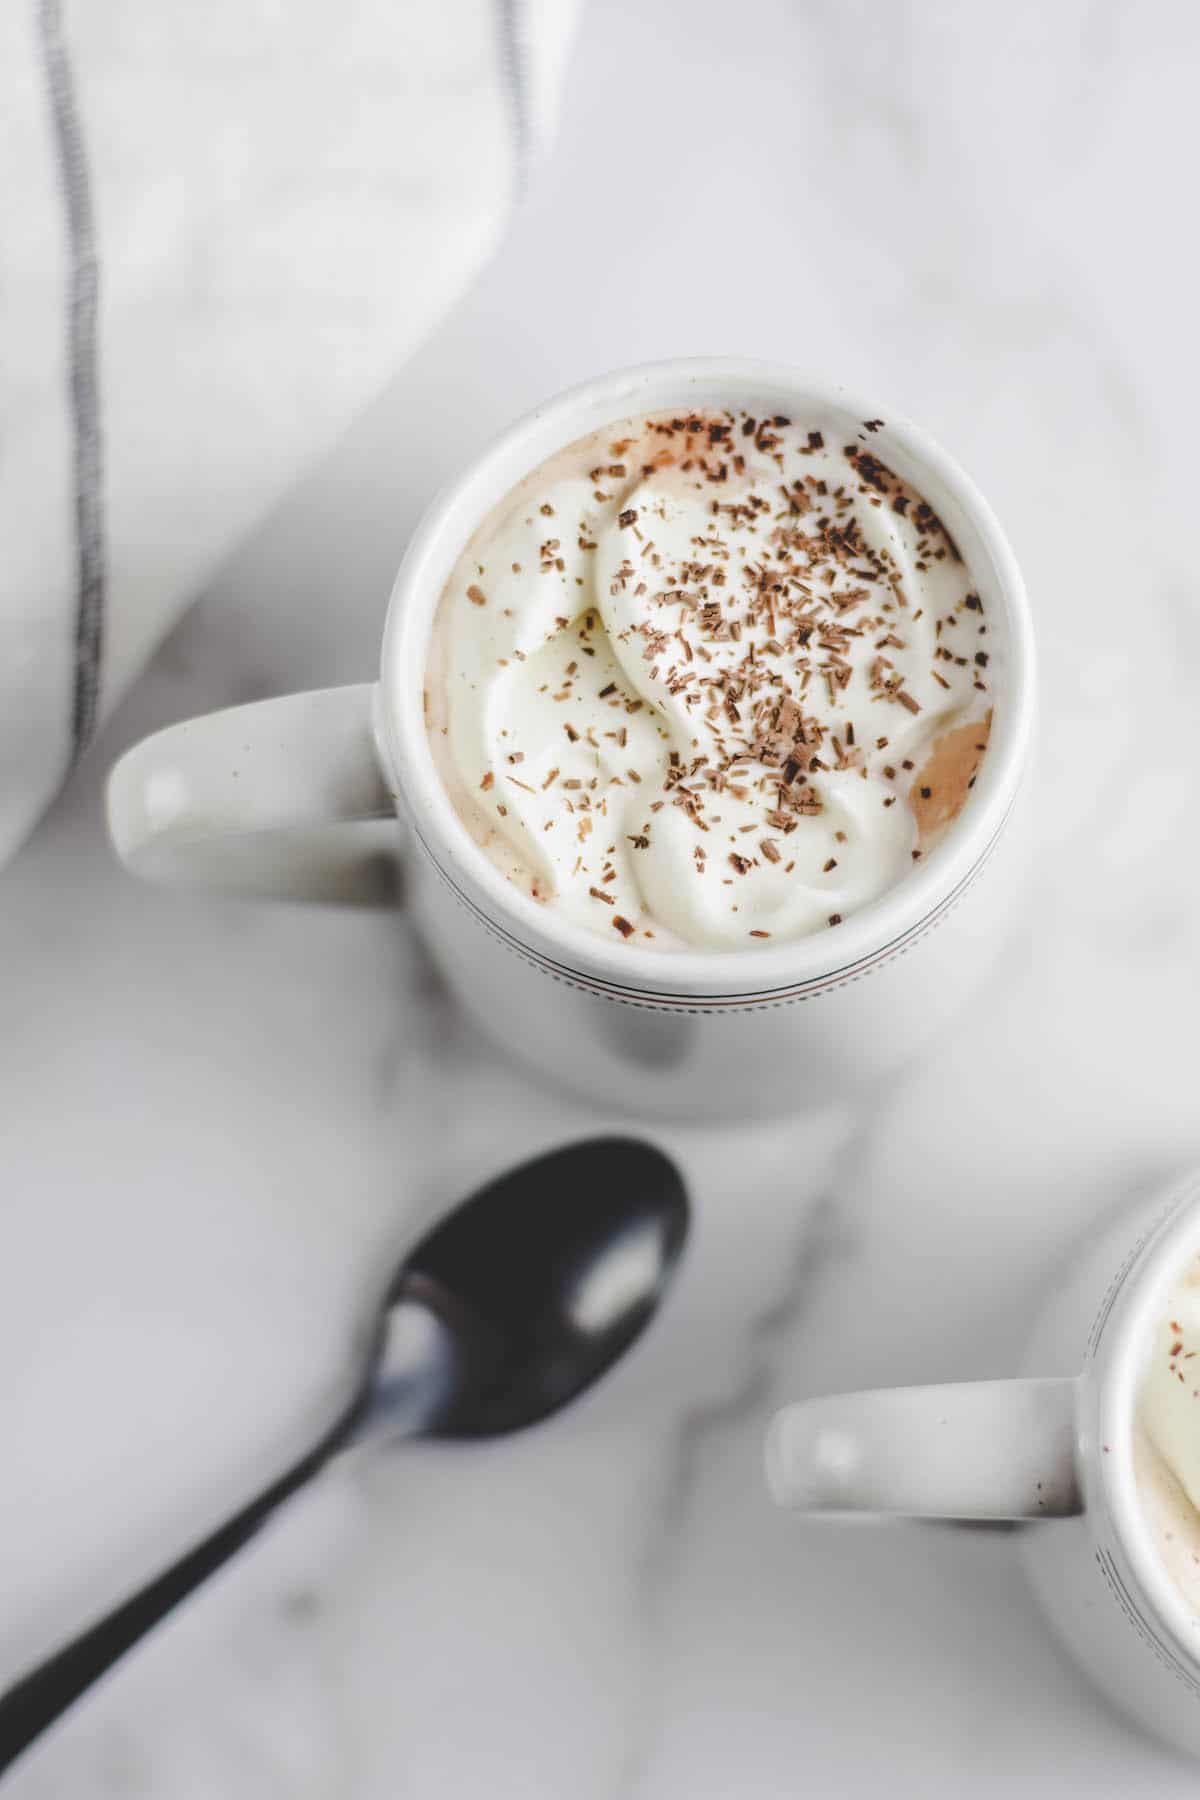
(288, 797)
(1053, 1447)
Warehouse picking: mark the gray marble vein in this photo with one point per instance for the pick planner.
(704, 1431)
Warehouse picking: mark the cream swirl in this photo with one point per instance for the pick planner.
(1166, 1437)
(1170, 1397)
(709, 681)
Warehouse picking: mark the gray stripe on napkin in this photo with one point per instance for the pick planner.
(82, 294)
(513, 67)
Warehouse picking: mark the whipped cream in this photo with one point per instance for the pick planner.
(1167, 1441)
(709, 680)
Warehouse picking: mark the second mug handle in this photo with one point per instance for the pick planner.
(971, 1450)
(285, 798)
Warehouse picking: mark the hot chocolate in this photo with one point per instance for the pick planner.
(710, 680)
(1167, 1435)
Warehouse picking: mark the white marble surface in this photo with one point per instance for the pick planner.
(216, 1120)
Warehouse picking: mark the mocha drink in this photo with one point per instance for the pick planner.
(1167, 1435)
(709, 681)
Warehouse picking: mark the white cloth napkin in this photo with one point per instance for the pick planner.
(223, 227)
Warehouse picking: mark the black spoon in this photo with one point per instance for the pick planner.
(507, 1310)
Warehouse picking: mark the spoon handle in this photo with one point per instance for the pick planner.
(410, 1373)
(38, 1698)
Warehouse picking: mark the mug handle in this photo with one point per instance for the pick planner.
(971, 1450)
(282, 798)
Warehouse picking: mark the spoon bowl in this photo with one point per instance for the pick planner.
(544, 1278)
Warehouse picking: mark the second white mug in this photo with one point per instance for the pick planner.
(1056, 1448)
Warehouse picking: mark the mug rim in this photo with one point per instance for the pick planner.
(872, 934)
(1139, 1294)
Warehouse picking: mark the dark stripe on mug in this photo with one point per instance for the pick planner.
(1141, 1624)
